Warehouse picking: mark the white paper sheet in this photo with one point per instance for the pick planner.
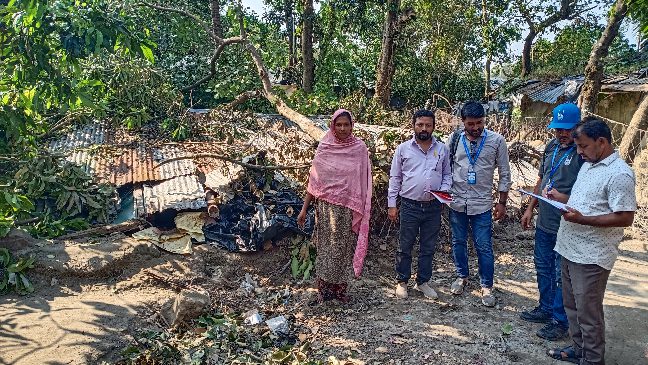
(440, 198)
(554, 203)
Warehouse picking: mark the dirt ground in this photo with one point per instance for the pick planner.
(91, 297)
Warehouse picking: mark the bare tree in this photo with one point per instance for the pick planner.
(588, 98)
(308, 76)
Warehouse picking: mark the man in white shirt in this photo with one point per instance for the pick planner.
(601, 204)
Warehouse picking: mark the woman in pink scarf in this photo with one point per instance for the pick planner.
(340, 184)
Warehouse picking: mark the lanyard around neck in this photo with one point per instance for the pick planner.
(554, 165)
(481, 145)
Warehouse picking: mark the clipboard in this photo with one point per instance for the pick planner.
(555, 204)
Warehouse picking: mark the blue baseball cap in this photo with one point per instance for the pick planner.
(565, 116)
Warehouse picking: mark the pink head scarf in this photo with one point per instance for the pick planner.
(341, 175)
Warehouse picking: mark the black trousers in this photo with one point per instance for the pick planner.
(422, 219)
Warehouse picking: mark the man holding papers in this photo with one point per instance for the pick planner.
(558, 170)
(476, 153)
(420, 166)
(601, 204)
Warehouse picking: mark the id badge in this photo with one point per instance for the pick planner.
(472, 177)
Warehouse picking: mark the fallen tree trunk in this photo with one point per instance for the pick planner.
(302, 121)
(248, 95)
(106, 229)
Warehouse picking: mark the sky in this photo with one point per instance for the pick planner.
(515, 48)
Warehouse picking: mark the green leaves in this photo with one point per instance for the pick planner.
(302, 258)
(217, 338)
(42, 45)
(569, 52)
(147, 52)
(12, 273)
(507, 329)
(55, 196)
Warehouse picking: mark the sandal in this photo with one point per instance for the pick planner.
(565, 354)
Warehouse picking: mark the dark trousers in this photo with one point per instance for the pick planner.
(583, 291)
(421, 219)
(548, 272)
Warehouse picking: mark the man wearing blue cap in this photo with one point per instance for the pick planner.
(558, 171)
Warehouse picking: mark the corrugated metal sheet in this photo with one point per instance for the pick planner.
(219, 178)
(179, 193)
(133, 165)
(551, 91)
(639, 78)
(90, 147)
(80, 146)
(175, 168)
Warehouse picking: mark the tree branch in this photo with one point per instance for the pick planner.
(405, 16)
(232, 160)
(303, 122)
(252, 94)
(565, 12)
(212, 65)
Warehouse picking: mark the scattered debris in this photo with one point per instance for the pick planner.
(252, 317)
(176, 241)
(189, 304)
(249, 220)
(249, 285)
(192, 223)
(278, 325)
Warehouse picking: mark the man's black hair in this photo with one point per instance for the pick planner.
(593, 128)
(423, 113)
(472, 109)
